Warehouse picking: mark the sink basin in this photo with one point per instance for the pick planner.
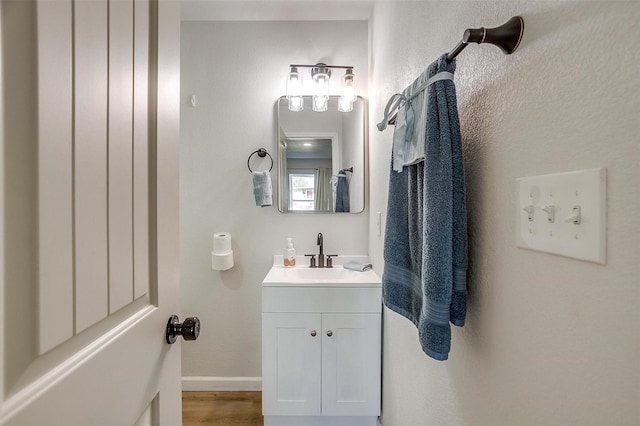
(304, 275)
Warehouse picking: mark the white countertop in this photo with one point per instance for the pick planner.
(323, 277)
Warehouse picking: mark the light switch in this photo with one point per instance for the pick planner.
(529, 209)
(550, 211)
(567, 215)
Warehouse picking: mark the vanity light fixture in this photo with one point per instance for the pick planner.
(294, 90)
(321, 75)
(348, 92)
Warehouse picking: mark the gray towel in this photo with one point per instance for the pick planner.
(357, 266)
(262, 190)
(425, 248)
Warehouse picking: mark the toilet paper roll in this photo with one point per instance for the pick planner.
(221, 243)
(221, 262)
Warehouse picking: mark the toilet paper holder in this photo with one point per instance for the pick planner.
(222, 254)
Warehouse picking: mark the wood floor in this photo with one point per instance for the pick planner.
(222, 408)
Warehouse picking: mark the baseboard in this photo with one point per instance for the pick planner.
(207, 383)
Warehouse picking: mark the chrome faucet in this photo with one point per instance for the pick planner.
(320, 242)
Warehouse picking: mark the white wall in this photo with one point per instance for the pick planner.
(352, 130)
(237, 71)
(548, 340)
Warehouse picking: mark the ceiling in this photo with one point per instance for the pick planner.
(276, 10)
(317, 149)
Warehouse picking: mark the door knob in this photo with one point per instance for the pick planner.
(329, 333)
(189, 329)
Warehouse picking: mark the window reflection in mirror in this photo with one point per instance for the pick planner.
(321, 158)
(302, 190)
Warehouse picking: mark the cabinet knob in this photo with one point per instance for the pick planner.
(329, 333)
(313, 333)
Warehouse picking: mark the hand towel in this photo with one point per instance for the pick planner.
(357, 266)
(411, 105)
(425, 249)
(399, 141)
(342, 193)
(262, 190)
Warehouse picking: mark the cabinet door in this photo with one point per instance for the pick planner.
(291, 370)
(351, 364)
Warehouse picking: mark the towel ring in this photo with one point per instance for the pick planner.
(261, 153)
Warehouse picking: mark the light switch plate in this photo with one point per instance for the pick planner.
(559, 200)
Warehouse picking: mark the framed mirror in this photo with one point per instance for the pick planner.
(321, 158)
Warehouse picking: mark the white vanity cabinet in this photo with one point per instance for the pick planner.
(321, 352)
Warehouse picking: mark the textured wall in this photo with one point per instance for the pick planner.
(548, 340)
(237, 71)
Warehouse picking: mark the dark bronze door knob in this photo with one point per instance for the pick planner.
(189, 329)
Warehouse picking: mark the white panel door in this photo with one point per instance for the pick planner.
(351, 364)
(89, 218)
(291, 367)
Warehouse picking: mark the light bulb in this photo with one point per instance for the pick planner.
(295, 103)
(320, 103)
(348, 87)
(320, 76)
(345, 105)
(294, 90)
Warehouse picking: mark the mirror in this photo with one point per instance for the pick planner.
(321, 158)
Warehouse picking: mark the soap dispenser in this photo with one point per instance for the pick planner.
(289, 253)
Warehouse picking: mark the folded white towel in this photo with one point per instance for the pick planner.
(357, 266)
(262, 190)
